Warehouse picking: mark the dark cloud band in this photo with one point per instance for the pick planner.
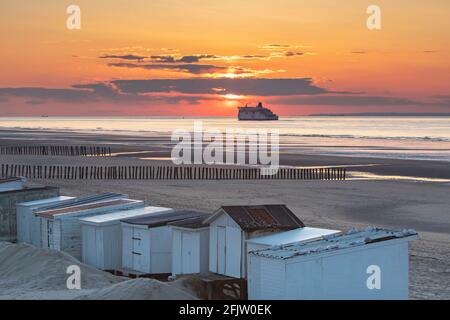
(245, 86)
(188, 68)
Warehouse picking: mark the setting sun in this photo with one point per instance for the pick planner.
(233, 97)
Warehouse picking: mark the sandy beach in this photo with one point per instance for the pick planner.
(420, 204)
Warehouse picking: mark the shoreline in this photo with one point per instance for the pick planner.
(157, 149)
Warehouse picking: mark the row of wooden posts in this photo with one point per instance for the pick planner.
(56, 150)
(60, 172)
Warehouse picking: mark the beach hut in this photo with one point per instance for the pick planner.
(12, 183)
(61, 228)
(368, 264)
(231, 226)
(101, 236)
(28, 225)
(147, 241)
(190, 246)
(8, 207)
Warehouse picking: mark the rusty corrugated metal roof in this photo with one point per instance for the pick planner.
(252, 218)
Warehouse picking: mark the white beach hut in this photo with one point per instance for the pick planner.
(369, 264)
(147, 241)
(31, 223)
(61, 228)
(231, 226)
(101, 236)
(190, 246)
(28, 225)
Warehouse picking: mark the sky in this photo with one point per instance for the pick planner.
(207, 57)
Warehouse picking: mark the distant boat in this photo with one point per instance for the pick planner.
(258, 113)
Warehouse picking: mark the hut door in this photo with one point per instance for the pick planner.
(138, 250)
(90, 251)
(221, 249)
(127, 247)
(234, 252)
(187, 256)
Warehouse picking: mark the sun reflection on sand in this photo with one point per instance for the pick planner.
(371, 176)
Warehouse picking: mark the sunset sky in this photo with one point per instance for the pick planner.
(206, 57)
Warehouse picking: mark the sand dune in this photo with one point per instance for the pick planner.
(138, 289)
(27, 272)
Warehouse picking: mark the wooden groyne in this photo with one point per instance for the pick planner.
(80, 151)
(61, 172)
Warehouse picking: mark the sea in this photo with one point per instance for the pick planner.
(419, 138)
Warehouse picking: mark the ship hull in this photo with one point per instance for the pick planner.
(258, 113)
(245, 119)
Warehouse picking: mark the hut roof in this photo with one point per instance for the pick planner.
(192, 223)
(124, 214)
(43, 203)
(11, 179)
(253, 218)
(85, 200)
(84, 207)
(292, 236)
(158, 220)
(353, 238)
(29, 189)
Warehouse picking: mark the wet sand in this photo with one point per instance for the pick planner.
(159, 147)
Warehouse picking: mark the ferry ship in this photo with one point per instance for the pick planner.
(258, 113)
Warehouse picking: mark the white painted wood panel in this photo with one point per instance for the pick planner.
(204, 250)
(127, 247)
(221, 249)
(161, 249)
(273, 279)
(140, 250)
(338, 274)
(176, 251)
(189, 254)
(233, 252)
(112, 247)
(212, 261)
(35, 231)
(190, 251)
(89, 252)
